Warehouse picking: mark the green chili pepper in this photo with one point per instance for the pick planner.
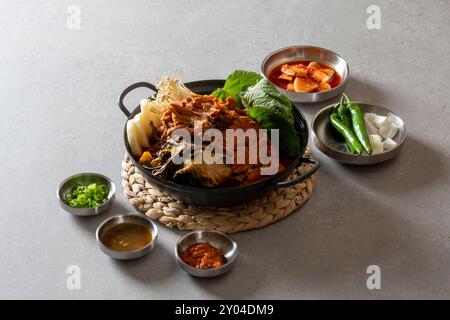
(344, 113)
(350, 138)
(358, 124)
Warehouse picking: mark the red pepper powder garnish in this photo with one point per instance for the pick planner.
(203, 256)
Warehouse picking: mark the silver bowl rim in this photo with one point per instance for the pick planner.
(105, 249)
(284, 91)
(225, 267)
(68, 208)
(355, 156)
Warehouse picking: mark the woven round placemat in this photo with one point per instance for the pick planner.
(268, 209)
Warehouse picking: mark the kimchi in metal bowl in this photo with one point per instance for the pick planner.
(301, 53)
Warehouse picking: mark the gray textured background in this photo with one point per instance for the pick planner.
(58, 116)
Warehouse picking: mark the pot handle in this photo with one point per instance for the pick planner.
(289, 183)
(131, 88)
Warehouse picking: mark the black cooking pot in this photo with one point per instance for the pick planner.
(220, 197)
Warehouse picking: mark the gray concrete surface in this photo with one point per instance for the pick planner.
(58, 116)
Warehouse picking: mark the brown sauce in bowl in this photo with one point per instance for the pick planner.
(126, 237)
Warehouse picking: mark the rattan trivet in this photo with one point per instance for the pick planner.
(175, 214)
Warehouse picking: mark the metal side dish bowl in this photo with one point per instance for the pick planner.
(122, 248)
(308, 53)
(224, 243)
(86, 178)
(327, 140)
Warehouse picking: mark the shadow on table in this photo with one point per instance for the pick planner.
(90, 224)
(416, 166)
(151, 268)
(327, 254)
(364, 90)
(239, 283)
(358, 89)
(155, 266)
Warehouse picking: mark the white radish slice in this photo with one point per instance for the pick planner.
(369, 116)
(155, 118)
(144, 103)
(135, 146)
(389, 144)
(140, 131)
(375, 137)
(375, 142)
(393, 119)
(145, 116)
(370, 128)
(388, 129)
(153, 111)
(378, 120)
(146, 124)
(146, 119)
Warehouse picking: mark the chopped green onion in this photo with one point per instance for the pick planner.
(73, 203)
(82, 199)
(86, 195)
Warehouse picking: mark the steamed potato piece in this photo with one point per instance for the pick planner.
(324, 86)
(284, 76)
(304, 85)
(297, 70)
(321, 75)
(313, 65)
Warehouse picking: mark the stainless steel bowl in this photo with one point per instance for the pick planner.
(87, 177)
(126, 218)
(309, 53)
(329, 142)
(218, 239)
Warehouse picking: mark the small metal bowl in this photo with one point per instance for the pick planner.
(126, 218)
(329, 142)
(308, 53)
(218, 239)
(88, 177)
